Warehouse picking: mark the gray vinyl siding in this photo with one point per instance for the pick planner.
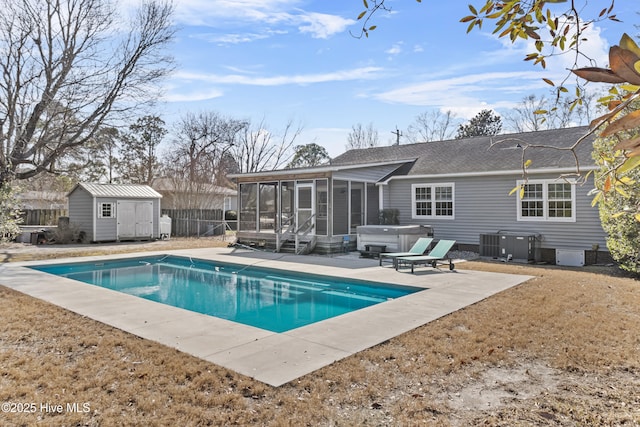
(483, 205)
(81, 212)
(106, 228)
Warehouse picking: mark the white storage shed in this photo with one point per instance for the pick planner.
(115, 212)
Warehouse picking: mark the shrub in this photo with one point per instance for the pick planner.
(10, 213)
(618, 206)
(389, 217)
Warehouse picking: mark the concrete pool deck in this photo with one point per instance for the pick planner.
(269, 357)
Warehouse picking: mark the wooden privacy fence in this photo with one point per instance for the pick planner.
(42, 216)
(196, 222)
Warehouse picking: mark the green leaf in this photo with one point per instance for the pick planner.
(630, 163)
(471, 25)
(364, 12)
(630, 88)
(622, 192)
(366, 5)
(527, 163)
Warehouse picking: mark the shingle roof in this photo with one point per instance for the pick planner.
(481, 154)
(122, 191)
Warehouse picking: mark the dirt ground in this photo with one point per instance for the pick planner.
(562, 349)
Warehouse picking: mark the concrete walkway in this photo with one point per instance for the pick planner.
(272, 358)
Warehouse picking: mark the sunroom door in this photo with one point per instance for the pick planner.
(305, 207)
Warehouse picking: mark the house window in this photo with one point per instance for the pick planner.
(432, 201)
(547, 200)
(106, 210)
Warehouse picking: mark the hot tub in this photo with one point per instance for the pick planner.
(395, 238)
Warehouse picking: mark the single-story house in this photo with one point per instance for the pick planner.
(114, 212)
(183, 194)
(34, 199)
(460, 188)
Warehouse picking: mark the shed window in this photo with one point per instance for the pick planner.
(106, 210)
(547, 200)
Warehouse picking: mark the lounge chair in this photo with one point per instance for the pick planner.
(419, 247)
(438, 253)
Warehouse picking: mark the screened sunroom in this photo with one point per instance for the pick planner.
(308, 210)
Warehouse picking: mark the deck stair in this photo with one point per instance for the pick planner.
(289, 247)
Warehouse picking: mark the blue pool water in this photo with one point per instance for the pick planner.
(271, 299)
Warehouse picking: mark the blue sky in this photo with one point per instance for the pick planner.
(296, 60)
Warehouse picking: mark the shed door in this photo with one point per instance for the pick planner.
(135, 219)
(144, 219)
(126, 214)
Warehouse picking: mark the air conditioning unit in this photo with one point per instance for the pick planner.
(490, 245)
(510, 246)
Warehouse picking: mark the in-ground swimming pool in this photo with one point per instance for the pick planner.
(271, 299)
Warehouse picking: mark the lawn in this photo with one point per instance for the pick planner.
(560, 349)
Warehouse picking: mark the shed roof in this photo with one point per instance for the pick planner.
(120, 191)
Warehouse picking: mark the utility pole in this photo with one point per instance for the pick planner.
(398, 134)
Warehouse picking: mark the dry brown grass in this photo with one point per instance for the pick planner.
(561, 349)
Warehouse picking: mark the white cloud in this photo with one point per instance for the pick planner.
(434, 92)
(395, 49)
(257, 14)
(322, 26)
(193, 96)
(300, 79)
(231, 38)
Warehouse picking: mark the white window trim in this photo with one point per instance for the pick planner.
(433, 207)
(113, 209)
(545, 201)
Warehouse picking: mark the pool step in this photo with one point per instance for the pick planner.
(354, 296)
(311, 285)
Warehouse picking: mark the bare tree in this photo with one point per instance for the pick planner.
(361, 137)
(432, 126)
(202, 142)
(96, 160)
(258, 149)
(199, 159)
(68, 68)
(524, 117)
(535, 113)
